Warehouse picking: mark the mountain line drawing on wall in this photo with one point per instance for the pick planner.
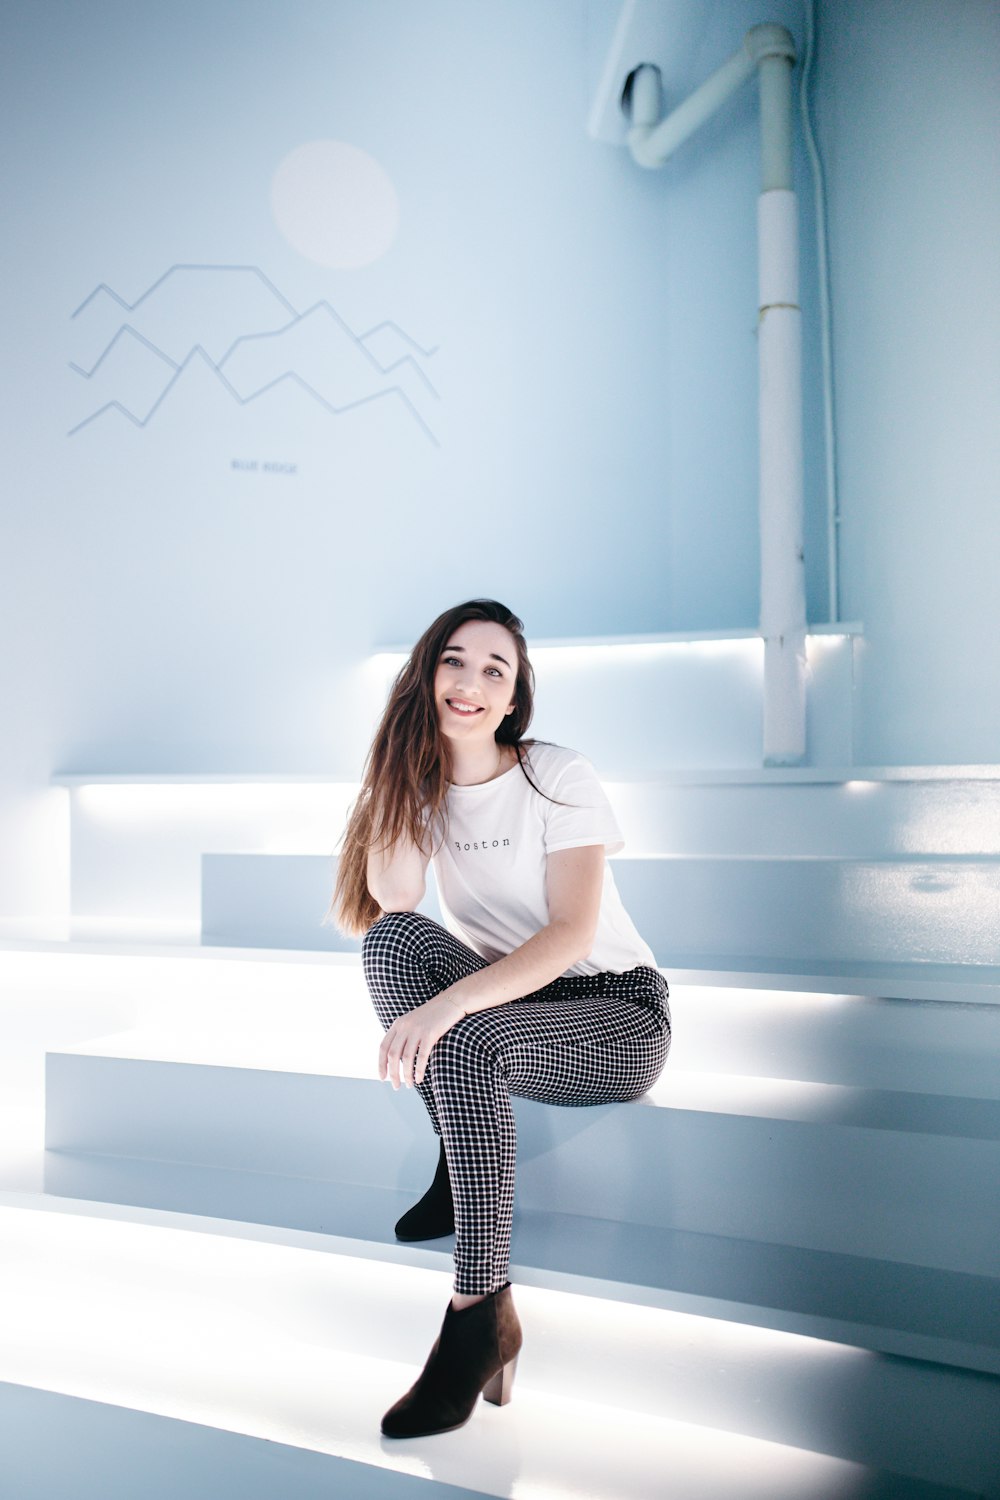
(194, 318)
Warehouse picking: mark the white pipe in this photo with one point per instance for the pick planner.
(652, 143)
(775, 122)
(782, 570)
(779, 352)
(645, 96)
(771, 51)
(826, 336)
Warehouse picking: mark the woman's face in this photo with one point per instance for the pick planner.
(474, 681)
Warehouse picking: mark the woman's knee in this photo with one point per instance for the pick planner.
(397, 933)
(468, 1050)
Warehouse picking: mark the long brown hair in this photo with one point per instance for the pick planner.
(406, 775)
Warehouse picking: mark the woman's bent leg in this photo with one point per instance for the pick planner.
(408, 958)
(580, 1041)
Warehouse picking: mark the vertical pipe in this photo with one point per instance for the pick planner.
(775, 122)
(782, 574)
(826, 340)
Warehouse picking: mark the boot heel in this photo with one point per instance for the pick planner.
(500, 1389)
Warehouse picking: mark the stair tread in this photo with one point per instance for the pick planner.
(127, 1452)
(679, 775)
(916, 980)
(306, 1350)
(923, 1311)
(897, 979)
(808, 1101)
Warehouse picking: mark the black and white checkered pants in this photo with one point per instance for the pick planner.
(583, 1039)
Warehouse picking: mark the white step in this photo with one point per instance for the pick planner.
(250, 1007)
(760, 1181)
(276, 1148)
(305, 1349)
(804, 909)
(277, 901)
(952, 1318)
(681, 700)
(126, 1453)
(858, 1171)
(686, 703)
(807, 909)
(137, 841)
(224, 1008)
(961, 983)
(855, 813)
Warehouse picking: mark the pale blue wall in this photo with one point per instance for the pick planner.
(596, 366)
(909, 113)
(596, 377)
(596, 370)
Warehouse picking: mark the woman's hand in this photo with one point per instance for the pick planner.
(406, 1046)
(574, 879)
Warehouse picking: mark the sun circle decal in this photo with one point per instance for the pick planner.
(335, 204)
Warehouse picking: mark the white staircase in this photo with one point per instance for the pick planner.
(239, 1340)
(777, 1275)
(777, 1200)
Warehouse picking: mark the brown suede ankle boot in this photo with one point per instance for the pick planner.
(475, 1352)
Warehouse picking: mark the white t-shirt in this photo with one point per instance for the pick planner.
(490, 864)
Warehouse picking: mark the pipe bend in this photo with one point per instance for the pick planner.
(769, 40)
(638, 144)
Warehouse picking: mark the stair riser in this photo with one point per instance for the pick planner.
(847, 820)
(694, 705)
(243, 905)
(136, 848)
(884, 1193)
(921, 1047)
(808, 910)
(936, 912)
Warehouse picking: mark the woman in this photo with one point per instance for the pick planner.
(542, 987)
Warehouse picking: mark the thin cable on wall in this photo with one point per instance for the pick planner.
(829, 411)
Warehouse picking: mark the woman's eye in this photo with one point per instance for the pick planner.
(452, 661)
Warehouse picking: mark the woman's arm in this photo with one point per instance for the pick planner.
(574, 881)
(397, 876)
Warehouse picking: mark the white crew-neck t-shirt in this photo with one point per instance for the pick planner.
(490, 861)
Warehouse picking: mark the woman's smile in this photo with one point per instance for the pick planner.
(474, 682)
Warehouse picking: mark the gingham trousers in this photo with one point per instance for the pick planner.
(583, 1039)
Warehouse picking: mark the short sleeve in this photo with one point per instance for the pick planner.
(579, 813)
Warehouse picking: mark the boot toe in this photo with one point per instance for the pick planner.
(407, 1420)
